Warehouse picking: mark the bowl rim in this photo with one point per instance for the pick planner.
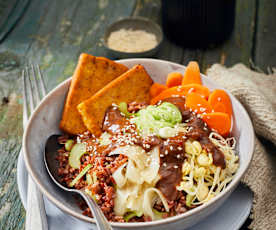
(134, 18)
(168, 220)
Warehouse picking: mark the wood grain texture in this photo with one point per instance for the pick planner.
(54, 33)
(265, 47)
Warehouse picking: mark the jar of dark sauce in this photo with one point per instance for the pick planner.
(198, 23)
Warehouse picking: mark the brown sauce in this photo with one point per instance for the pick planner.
(171, 160)
(199, 131)
(114, 121)
(171, 149)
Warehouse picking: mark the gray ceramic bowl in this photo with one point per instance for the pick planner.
(45, 122)
(136, 23)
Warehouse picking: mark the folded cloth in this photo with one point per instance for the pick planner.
(257, 92)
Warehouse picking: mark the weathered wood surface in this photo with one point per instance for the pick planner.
(54, 33)
(265, 35)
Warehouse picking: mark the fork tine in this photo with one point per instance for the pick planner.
(41, 80)
(30, 91)
(25, 108)
(37, 95)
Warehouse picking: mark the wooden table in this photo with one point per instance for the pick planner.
(54, 33)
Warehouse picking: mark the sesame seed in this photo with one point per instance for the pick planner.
(161, 155)
(191, 90)
(179, 148)
(171, 147)
(166, 152)
(178, 156)
(164, 164)
(175, 166)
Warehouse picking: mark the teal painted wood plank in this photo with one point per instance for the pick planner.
(52, 34)
(265, 52)
(11, 211)
(62, 38)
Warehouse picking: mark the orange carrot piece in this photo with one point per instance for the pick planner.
(170, 92)
(180, 91)
(197, 88)
(197, 103)
(220, 102)
(192, 74)
(174, 79)
(218, 121)
(156, 89)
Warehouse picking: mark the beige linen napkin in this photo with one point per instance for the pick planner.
(257, 93)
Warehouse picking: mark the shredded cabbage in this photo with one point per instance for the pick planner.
(201, 179)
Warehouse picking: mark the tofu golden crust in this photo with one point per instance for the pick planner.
(91, 74)
(134, 85)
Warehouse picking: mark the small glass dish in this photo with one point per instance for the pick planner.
(134, 23)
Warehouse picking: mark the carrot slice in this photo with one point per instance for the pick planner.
(218, 121)
(203, 91)
(170, 92)
(220, 102)
(180, 91)
(174, 79)
(192, 74)
(156, 89)
(197, 103)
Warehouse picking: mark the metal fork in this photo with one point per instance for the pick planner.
(33, 91)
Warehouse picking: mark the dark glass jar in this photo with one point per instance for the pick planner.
(198, 23)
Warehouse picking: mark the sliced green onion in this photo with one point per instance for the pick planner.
(81, 174)
(123, 108)
(75, 155)
(89, 179)
(159, 215)
(69, 145)
(189, 200)
(129, 215)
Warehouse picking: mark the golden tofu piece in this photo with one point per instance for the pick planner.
(134, 85)
(91, 74)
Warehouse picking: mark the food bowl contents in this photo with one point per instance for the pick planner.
(149, 151)
(131, 40)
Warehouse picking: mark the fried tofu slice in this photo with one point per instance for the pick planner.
(134, 85)
(91, 75)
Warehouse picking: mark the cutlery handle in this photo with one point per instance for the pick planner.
(36, 216)
(101, 221)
